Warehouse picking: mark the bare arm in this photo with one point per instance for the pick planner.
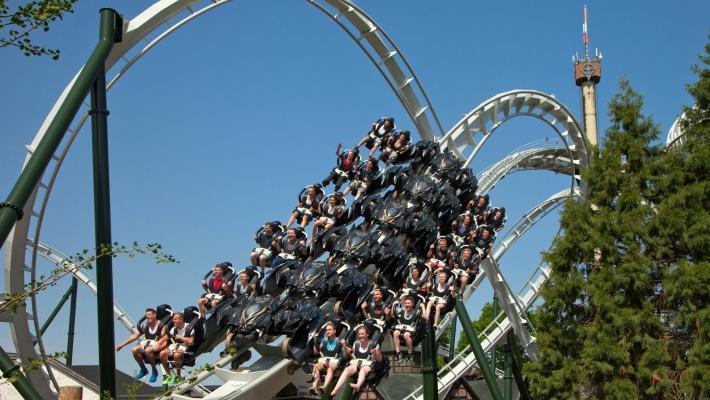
(136, 334)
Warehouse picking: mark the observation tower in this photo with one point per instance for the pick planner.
(587, 73)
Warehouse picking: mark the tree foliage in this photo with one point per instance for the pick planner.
(679, 237)
(18, 22)
(626, 311)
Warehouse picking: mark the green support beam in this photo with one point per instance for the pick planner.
(11, 210)
(54, 313)
(508, 377)
(518, 367)
(72, 321)
(102, 224)
(346, 392)
(21, 383)
(429, 379)
(483, 364)
(452, 340)
(494, 348)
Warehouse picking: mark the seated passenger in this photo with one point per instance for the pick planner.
(394, 147)
(308, 205)
(290, 247)
(330, 350)
(380, 129)
(244, 287)
(496, 218)
(405, 320)
(330, 213)
(442, 294)
(348, 162)
(263, 252)
(463, 228)
(467, 263)
(376, 308)
(180, 338)
(147, 349)
(439, 254)
(483, 241)
(364, 175)
(362, 355)
(218, 286)
(415, 282)
(479, 207)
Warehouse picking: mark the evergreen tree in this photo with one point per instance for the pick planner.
(602, 336)
(679, 238)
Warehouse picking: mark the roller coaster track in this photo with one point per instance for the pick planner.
(468, 136)
(160, 20)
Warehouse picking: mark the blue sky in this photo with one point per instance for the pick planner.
(218, 128)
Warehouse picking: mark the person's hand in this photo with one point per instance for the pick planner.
(118, 347)
(204, 282)
(432, 246)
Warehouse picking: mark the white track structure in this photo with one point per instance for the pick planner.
(465, 139)
(675, 134)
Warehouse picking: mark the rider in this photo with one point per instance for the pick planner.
(479, 208)
(217, 287)
(146, 349)
(484, 240)
(363, 352)
(330, 350)
(348, 162)
(439, 254)
(244, 287)
(463, 227)
(380, 129)
(308, 206)
(496, 218)
(394, 147)
(180, 336)
(406, 318)
(376, 308)
(291, 246)
(364, 175)
(467, 264)
(441, 293)
(331, 213)
(262, 253)
(416, 282)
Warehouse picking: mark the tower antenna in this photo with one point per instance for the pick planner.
(585, 35)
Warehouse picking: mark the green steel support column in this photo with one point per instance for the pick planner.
(23, 386)
(102, 221)
(518, 367)
(346, 393)
(54, 313)
(488, 374)
(494, 348)
(326, 393)
(11, 210)
(452, 340)
(508, 377)
(431, 391)
(72, 321)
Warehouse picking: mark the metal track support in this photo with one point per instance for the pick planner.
(72, 321)
(102, 218)
(429, 382)
(483, 364)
